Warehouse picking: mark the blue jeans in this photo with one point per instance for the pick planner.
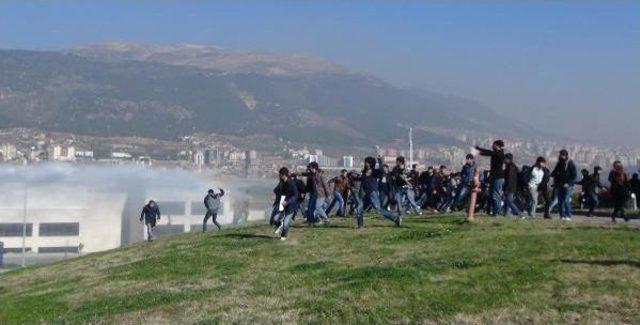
(564, 200)
(373, 199)
(385, 198)
(407, 192)
(446, 202)
(592, 201)
(357, 200)
(496, 195)
(337, 198)
(464, 192)
(510, 205)
(285, 221)
(319, 211)
(311, 207)
(274, 214)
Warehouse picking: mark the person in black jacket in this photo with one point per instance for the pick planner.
(496, 174)
(212, 204)
(385, 187)
(302, 192)
(544, 192)
(287, 203)
(151, 215)
(634, 184)
(590, 186)
(564, 176)
(369, 180)
(428, 188)
(619, 190)
(510, 186)
(403, 186)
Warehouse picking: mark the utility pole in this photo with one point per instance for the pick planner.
(410, 147)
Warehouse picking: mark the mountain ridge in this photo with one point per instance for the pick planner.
(130, 94)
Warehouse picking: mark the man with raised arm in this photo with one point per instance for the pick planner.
(496, 174)
(212, 204)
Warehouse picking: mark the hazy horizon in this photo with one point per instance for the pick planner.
(568, 68)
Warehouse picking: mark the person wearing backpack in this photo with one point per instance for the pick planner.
(536, 177)
(619, 190)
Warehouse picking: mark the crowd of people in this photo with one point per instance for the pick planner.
(392, 191)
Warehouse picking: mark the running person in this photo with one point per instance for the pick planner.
(287, 199)
(212, 204)
(151, 215)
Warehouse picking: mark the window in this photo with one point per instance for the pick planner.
(59, 229)
(167, 230)
(14, 229)
(58, 249)
(15, 250)
(172, 208)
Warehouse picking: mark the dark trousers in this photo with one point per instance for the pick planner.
(592, 202)
(214, 216)
(546, 194)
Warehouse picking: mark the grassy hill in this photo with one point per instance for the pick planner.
(436, 269)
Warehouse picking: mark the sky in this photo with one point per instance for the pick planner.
(572, 68)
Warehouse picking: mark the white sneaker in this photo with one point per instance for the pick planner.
(283, 238)
(279, 230)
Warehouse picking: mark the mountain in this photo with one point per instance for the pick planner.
(212, 58)
(166, 92)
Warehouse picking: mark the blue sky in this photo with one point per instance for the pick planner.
(573, 66)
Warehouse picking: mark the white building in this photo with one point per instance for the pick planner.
(60, 220)
(347, 161)
(60, 153)
(90, 209)
(8, 151)
(120, 155)
(198, 158)
(71, 219)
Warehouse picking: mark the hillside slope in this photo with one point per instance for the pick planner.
(436, 269)
(160, 95)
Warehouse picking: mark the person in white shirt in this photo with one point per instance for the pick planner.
(537, 174)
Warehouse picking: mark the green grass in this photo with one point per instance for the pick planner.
(433, 269)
